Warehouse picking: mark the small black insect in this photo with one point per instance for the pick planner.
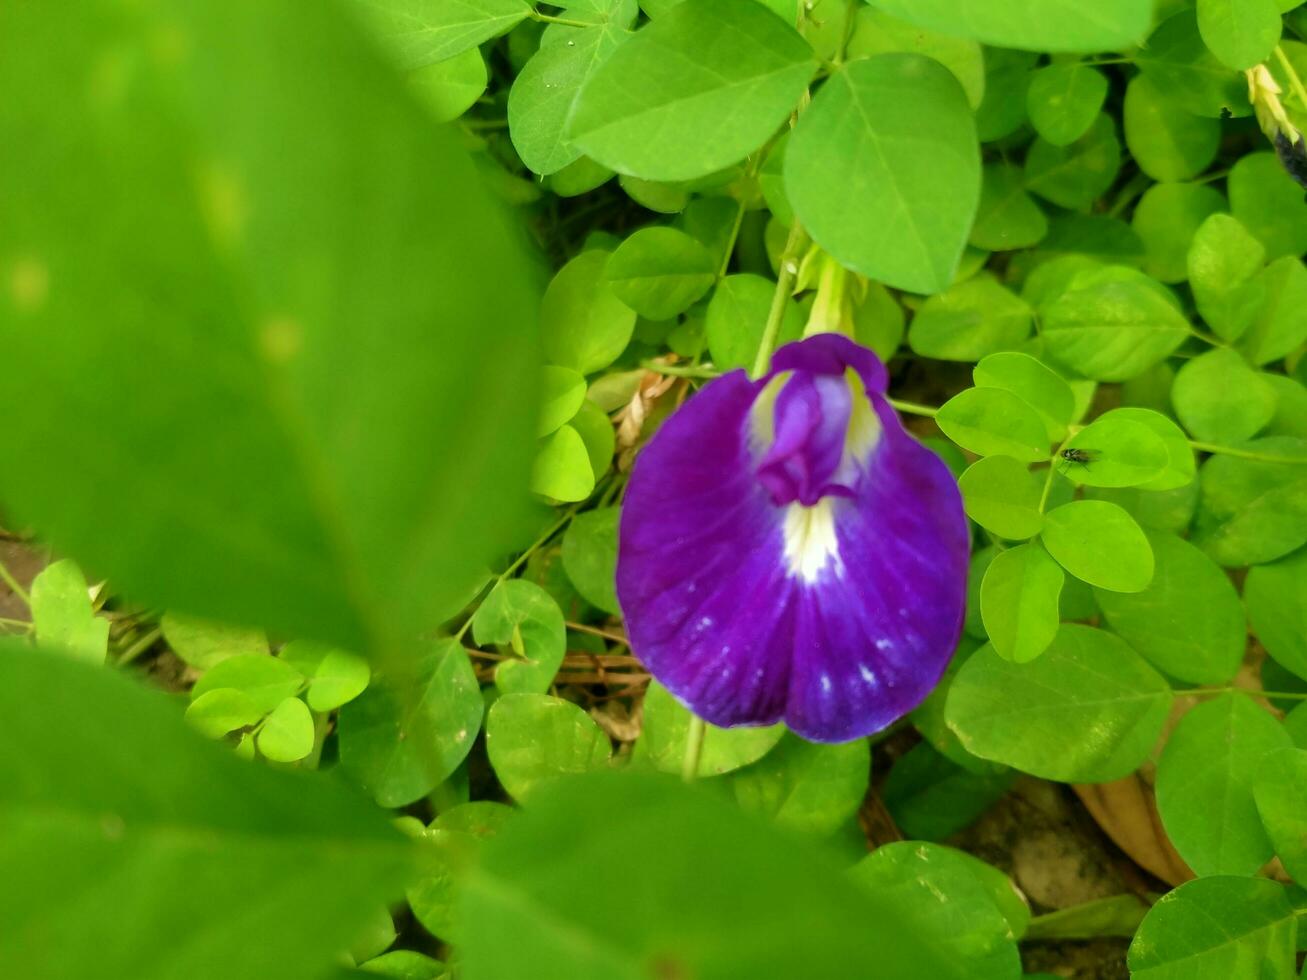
(1293, 156)
(1079, 457)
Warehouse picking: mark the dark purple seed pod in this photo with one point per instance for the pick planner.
(1293, 156)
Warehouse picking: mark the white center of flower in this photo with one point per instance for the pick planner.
(810, 542)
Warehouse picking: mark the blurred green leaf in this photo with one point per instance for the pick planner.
(202, 644)
(459, 832)
(252, 260)
(1269, 203)
(562, 468)
(1007, 217)
(932, 797)
(1276, 595)
(522, 614)
(1167, 141)
(1176, 60)
(451, 87)
(1224, 260)
(1075, 175)
(223, 710)
(1219, 398)
(1281, 795)
(104, 820)
(563, 391)
(737, 313)
(265, 680)
(1166, 218)
(1280, 325)
(1242, 33)
(1254, 510)
(762, 903)
(876, 32)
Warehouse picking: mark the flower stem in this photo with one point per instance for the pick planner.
(912, 408)
(139, 647)
(784, 285)
(14, 586)
(1295, 82)
(1210, 447)
(693, 748)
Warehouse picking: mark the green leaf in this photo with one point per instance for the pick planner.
(202, 644)
(1217, 928)
(405, 964)
(590, 557)
(1224, 262)
(222, 710)
(564, 391)
(583, 324)
(595, 428)
(63, 618)
(287, 733)
(1253, 510)
(931, 797)
(814, 789)
(972, 319)
(1188, 622)
(1019, 601)
(885, 197)
(1113, 329)
(412, 727)
(265, 680)
(1180, 467)
(1036, 25)
(994, 422)
(1269, 204)
(1176, 60)
(660, 272)
(534, 738)
(1242, 33)
(547, 89)
(667, 724)
(1121, 453)
(1027, 378)
(279, 868)
(1219, 398)
(562, 468)
(1282, 803)
(1276, 595)
(1205, 784)
(522, 614)
(742, 920)
(1007, 217)
(737, 314)
(449, 88)
(1007, 73)
(1280, 325)
(739, 72)
(1002, 496)
(1075, 175)
(335, 676)
(1166, 218)
(1099, 543)
(876, 32)
(1064, 99)
(303, 233)
(460, 833)
(1167, 141)
(939, 890)
(1089, 710)
(422, 32)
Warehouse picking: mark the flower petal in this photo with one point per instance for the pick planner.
(838, 617)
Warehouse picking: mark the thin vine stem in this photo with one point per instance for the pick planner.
(551, 19)
(912, 408)
(14, 586)
(1199, 691)
(789, 267)
(693, 748)
(1295, 82)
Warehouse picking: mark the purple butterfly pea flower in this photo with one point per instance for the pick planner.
(788, 552)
